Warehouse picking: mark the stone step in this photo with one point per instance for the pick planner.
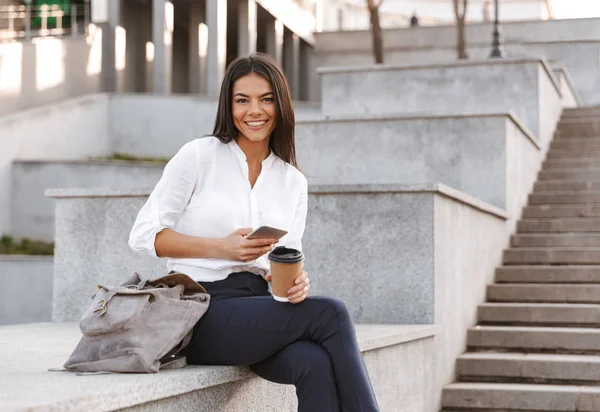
(561, 164)
(569, 174)
(544, 293)
(562, 154)
(558, 225)
(528, 368)
(566, 186)
(548, 211)
(555, 240)
(539, 314)
(562, 198)
(548, 274)
(519, 397)
(538, 339)
(552, 256)
(576, 143)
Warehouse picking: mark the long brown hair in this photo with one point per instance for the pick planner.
(282, 141)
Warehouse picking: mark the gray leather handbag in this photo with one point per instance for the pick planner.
(139, 326)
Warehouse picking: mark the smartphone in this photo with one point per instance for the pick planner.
(267, 232)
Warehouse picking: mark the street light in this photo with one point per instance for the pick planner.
(497, 50)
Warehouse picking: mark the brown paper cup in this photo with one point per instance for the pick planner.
(286, 266)
(283, 276)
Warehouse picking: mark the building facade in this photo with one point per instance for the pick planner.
(184, 46)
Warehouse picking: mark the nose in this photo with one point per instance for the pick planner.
(254, 108)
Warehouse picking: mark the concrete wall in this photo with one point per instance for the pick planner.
(570, 96)
(26, 292)
(468, 247)
(479, 155)
(576, 43)
(73, 129)
(97, 125)
(32, 213)
(47, 70)
(451, 89)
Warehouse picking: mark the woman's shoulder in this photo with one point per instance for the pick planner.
(292, 173)
(203, 147)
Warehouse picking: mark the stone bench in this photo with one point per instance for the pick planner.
(396, 254)
(400, 360)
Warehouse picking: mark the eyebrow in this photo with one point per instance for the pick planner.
(245, 95)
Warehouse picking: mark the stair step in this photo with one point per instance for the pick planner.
(573, 154)
(548, 211)
(552, 255)
(576, 143)
(555, 164)
(566, 186)
(557, 225)
(540, 314)
(543, 293)
(508, 397)
(569, 174)
(528, 368)
(534, 339)
(548, 274)
(555, 198)
(555, 240)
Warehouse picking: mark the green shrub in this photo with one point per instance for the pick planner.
(132, 158)
(25, 247)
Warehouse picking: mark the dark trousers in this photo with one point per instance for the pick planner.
(311, 345)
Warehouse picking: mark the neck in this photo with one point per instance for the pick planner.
(255, 152)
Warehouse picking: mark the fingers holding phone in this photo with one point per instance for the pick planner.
(240, 248)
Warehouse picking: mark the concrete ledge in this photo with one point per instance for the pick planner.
(29, 350)
(313, 189)
(467, 63)
(377, 118)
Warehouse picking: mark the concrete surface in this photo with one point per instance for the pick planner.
(399, 359)
(411, 253)
(26, 292)
(525, 87)
(574, 42)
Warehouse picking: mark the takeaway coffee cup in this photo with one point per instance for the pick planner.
(286, 265)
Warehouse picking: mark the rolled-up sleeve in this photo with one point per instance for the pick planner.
(167, 201)
(294, 239)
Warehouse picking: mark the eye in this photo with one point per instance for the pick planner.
(269, 99)
(241, 100)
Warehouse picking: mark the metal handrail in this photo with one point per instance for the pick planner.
(18, 21)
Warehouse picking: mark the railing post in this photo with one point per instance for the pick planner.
(44, 16)
(86, 17)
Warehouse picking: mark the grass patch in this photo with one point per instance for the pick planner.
(25, 247)
(131, 158)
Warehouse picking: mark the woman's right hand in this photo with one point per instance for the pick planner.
(237, 248)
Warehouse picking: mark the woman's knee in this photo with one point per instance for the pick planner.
(334, 304)
(310, 358)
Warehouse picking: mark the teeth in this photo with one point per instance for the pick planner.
(254, 124)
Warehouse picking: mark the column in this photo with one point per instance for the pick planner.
(197, 51)
(216, 20)
(106, 15)
(162, 39)
(275, 41)
(291, 62)
(247, 30)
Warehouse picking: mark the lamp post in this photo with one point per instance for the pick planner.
(497, 50)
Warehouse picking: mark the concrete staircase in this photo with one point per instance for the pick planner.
(537, 344)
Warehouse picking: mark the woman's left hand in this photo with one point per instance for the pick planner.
(299, 292)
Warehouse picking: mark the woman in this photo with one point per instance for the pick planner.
(211, 194)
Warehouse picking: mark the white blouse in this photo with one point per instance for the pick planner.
(204, 191)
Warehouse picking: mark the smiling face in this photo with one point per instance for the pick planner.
(253, 108)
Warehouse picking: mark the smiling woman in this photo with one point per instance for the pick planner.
(211, 196)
